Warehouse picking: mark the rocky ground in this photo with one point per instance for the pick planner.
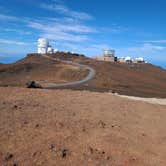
(40, 69)
(71, 128)
(143, 80)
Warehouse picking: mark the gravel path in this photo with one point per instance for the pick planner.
(148, 100)
(89, 77)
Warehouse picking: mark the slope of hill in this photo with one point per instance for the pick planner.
(39, 69)
(1, 65)
(142, 80)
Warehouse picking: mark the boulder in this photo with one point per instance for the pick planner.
(33, 84)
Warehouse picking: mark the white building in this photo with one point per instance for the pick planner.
(109, 52)
(43, 45)
(50, 50)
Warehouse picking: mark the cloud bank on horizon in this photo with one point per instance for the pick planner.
(131, 28)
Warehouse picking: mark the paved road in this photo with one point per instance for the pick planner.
(89, 77)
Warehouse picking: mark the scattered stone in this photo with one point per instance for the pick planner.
(15, 106)
(102, 124)
(34, 154)
(91, 150)
(59, 124)
(143, 134)
(33, 84)
(133, 158)
(63, 153)
(51, 146)
(25, 122)
(113, 92)
(37, 125)
(8, 156)
(83, 129)
(107, 158)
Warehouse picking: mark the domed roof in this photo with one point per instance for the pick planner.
(128, 58)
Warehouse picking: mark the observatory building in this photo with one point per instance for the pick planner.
(43, 45)
(108, 55)
(109, 52)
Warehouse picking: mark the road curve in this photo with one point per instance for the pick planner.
(89, 77)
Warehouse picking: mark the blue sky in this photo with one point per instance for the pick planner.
(132, 28)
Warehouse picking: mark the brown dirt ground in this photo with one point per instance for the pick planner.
(40, 69)
(143, 80)
(71, 128)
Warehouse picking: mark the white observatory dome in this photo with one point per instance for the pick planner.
(43, 44)
(55, 50)
(140, 59)
(128, 58)
(50, 50)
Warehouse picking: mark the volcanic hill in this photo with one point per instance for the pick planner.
(144, 80)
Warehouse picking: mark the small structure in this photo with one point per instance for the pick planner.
(44, 46)
(140, 60)
(109, 52)
(108, 55)
(121, 60)
(50, 50)
(55, 50)
(128, 60)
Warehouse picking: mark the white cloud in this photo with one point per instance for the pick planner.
(62, 27)
(89, 49)
(63, 31)
(147, 47)
(155, 41)
(22, 32)
(7, 17)
(62, 36)
(114, 29)
(15, 42)
(62, 9)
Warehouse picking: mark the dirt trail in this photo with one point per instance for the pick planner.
(89, 77)
(147, 100)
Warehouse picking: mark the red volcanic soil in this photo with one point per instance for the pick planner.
(79, 128)
(144, 80)
(40, 69)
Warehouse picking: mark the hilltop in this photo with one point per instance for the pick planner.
(35, 67)
(144, 80)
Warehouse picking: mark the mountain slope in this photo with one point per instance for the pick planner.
(39, 69)
(144, 80)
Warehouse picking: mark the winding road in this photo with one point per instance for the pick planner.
(89, 77)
